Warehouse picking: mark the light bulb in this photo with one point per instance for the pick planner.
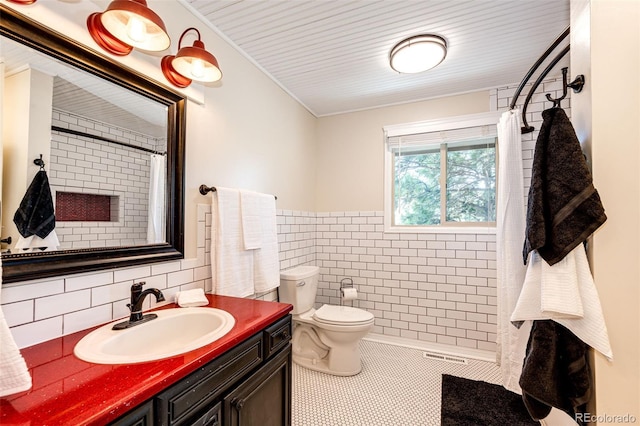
(136, 29)
(197, 68)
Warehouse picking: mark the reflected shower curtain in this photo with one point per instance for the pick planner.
(156, 221)
(510, 227)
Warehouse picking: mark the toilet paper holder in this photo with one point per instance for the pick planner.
(345, 283)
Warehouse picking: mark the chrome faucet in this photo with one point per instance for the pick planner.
(137, 298)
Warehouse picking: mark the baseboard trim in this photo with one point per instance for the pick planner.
(431, 346)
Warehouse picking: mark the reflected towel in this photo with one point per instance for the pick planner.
(266, 261)
(232, 272)
(35, 243)
(193, 297)
(35, 215)
(590, 328)
(14, 375)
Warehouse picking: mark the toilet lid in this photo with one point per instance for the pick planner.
(346, 315)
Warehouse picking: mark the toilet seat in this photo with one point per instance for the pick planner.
(342, 315)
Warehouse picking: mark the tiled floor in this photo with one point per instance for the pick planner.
(397, 386)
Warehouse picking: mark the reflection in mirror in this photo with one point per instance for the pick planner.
(104, 141)
(112, 146)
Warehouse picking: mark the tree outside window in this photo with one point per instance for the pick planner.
(440, 175)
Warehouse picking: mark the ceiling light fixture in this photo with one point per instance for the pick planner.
(126, 24)
(191, 63)
(418, 53)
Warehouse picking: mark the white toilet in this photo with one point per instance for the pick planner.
(326, 339)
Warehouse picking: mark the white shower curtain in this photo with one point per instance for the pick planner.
(510, 227)
(156, 221)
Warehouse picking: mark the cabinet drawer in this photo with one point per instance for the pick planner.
(277, 336)
(179, 404)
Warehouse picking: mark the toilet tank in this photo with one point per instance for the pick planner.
(298, 286)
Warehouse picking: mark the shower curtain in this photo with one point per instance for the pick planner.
(156, 221)
(510, 227)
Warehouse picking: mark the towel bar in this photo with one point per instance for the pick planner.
(204, 190)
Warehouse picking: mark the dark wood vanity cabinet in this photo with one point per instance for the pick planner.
(248, 385)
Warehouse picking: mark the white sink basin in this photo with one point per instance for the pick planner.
(174, 332)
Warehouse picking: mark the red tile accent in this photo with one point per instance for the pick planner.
(75, 207)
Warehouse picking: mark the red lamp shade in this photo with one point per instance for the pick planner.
(126, 24)
(191, 63)
(22, 1)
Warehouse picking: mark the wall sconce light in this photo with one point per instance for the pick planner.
(418, 53)
(191, 63)
(126, 24)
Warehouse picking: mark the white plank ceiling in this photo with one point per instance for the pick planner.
(332, 55)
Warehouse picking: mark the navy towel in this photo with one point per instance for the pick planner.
(563, 206)
(35, 216)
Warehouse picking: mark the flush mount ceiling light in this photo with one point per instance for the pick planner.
(191, 63)
(418, 53)
(127, 24)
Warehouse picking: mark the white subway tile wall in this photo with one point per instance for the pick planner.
(89, 166)
(41, 310)
(430, 287)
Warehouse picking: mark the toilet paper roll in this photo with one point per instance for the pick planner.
(349, 294)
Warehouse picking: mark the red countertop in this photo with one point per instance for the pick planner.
(69, 391)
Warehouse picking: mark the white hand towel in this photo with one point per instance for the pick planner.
(250, 204)
(559, 288)
(193, 297)
(591, 328)
(266, 263)
(232, 272)
(14, 375)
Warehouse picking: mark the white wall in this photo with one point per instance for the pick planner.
(28, 99)
(615, 122)
(350, 149)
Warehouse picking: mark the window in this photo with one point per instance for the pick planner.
(441, 174)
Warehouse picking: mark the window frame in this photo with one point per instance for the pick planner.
(443, 124)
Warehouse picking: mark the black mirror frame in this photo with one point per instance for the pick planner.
(28, 266)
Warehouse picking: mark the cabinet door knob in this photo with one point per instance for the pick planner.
(238, 403)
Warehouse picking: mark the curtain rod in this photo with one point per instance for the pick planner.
(102, 138)
(576, 84)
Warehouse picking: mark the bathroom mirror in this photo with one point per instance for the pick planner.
(105, 132)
